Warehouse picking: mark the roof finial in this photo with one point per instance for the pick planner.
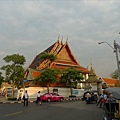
(67, 37)
(58, 36)
(67, 40)
(92, 71)
(62, 38)
(91, 63)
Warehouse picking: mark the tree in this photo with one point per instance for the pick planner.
(71, 76)
(48, 76)
(14, 71)
(1, 79)
(48, 56)
(114, 75)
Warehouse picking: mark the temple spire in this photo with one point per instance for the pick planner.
(62, 38)
(67, 38)
(58, 37)
(92, 71)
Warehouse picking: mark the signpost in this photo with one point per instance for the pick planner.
(24, 83)
(24, 80)
(75, 92)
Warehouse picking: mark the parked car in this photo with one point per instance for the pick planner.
(49, 97)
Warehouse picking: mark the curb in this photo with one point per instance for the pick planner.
(70, 99)
(19, 102)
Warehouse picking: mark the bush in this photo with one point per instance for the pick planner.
(12, 99)
(72, 96)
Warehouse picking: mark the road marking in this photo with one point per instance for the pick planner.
(13, 113)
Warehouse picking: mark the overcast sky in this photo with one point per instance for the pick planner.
(28, 27)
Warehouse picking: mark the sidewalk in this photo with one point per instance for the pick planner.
(32, 100)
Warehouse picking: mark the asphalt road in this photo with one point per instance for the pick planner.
(72, 110)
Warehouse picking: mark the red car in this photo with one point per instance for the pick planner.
(51, 97)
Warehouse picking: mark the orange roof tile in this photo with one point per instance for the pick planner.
(35, 74)
(62, 67)
(110, 81)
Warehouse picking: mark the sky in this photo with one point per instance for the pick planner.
(28, 27)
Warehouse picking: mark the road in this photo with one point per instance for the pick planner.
(72, 110)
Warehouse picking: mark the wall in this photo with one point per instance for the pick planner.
(32, 91)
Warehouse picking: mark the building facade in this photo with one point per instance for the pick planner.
(65, 59)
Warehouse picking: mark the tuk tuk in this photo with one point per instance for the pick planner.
(111, 107)
(111, 110)
(90, 96)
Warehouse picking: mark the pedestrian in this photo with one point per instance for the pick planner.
(19, 96)
(38, 98)
(103, 100)
(25, 98)
(100, 98)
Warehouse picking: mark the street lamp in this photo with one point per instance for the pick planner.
(107, 44)
(115, 51)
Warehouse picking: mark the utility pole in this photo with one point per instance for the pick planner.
(116, 51)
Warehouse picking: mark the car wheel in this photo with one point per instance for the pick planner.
(61, 99)
(49, 100)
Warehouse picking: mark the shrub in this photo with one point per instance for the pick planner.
(72, 96)
(12, 99)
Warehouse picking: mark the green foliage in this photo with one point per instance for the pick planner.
(12, 99)
(14, 71)
(114, 75)
(47, 77)
(15, 59)
(1, 79)
(47, 56)
(70, 75)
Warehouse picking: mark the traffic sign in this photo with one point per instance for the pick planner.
(24, 80)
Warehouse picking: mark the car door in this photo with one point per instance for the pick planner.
(55, 97)
(52, 96)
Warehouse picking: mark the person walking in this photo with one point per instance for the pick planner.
(103, 100)
(38, 98)
(19, 96)
(100, 99)
(25, 98)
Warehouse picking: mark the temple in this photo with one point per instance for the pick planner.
(93, 81)
(65, 58)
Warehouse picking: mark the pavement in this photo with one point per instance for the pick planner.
(32, 100)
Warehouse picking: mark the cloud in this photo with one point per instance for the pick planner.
(29, 27)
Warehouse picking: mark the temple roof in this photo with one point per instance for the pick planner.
(65, 58)
(37, 59)
(110, 82)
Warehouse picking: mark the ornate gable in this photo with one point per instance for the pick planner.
(65, 58)
(64, 55)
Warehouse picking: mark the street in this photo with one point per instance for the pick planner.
(71, 110)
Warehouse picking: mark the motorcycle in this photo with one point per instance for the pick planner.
(88, 100)
(90, 97)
